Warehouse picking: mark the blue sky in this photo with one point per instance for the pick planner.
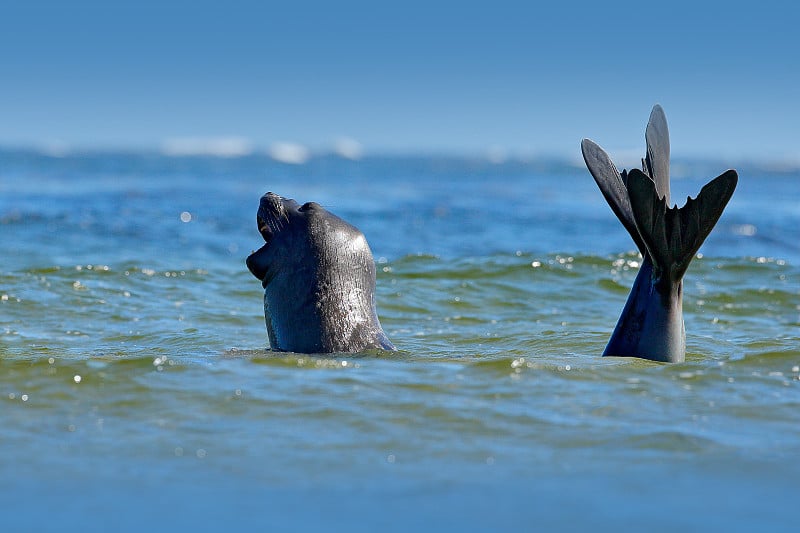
(403, 76)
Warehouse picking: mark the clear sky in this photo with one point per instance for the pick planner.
(405, 76)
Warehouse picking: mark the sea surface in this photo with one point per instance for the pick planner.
(137, 391)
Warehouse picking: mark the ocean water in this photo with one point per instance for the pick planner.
(137, 390)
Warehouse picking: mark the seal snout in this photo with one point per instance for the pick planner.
(270, 203)
(270, 211)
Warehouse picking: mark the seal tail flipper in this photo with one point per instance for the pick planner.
(656, 162)
(673, 235)
(613, 185)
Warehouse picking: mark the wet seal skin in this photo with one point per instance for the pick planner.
(651, 324)
(318, 276)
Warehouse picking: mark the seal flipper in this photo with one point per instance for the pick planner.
(613, 185)
(673, 235)
(656, 162)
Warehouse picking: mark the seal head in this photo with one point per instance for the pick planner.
(318, 276)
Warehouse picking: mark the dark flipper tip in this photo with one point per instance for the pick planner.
(612, 185)
(673, 235)
(658, 151)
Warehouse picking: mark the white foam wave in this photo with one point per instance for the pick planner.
(214, 146)
(348, 148)
(497, 154)
(291, 153)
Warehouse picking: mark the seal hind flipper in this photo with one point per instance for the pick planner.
(613, 185)
(673, 235)
(651, 324)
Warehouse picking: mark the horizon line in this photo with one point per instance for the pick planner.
(298, 154)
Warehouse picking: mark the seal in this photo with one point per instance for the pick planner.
(651, 324)
(318, 276)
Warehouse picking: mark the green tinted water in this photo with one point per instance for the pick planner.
(136, 390)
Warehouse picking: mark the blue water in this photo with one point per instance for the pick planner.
(136, 389)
